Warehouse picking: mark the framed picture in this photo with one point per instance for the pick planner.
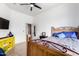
(34, 30)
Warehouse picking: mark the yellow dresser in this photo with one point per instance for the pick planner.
(7, 43)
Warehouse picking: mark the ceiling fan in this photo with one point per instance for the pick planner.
(32, 5)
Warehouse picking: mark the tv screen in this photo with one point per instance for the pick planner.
(4, 24)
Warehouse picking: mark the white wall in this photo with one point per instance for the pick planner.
(5, 13)
(17, 23)
(62, 15)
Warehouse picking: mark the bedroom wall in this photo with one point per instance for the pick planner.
(17, 23)
(4, 12)
(61, 15)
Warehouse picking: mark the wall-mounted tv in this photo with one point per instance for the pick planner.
(4, 24)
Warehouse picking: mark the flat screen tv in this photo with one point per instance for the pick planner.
(4, 24)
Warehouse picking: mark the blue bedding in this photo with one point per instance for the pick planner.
(65, 35)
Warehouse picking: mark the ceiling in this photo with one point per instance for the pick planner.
(26, 8)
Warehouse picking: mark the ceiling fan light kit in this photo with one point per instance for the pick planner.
(31, 5)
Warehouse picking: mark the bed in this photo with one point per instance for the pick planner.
(53, 46)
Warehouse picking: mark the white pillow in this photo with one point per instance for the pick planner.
(61, 35)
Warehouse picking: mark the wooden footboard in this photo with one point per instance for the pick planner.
(35, 49)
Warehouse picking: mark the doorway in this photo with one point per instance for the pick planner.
(28, 34)
(28, 31)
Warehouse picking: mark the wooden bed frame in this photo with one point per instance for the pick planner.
(62, 29)
(35, 49)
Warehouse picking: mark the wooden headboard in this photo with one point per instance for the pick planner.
(66, 29)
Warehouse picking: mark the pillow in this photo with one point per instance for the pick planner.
(66, 35)
(61, 35)
(55, 34)
(71, 34)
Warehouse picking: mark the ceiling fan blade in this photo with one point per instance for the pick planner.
(24, 4)
(37, 6)
(32, 3)
(30, 8)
